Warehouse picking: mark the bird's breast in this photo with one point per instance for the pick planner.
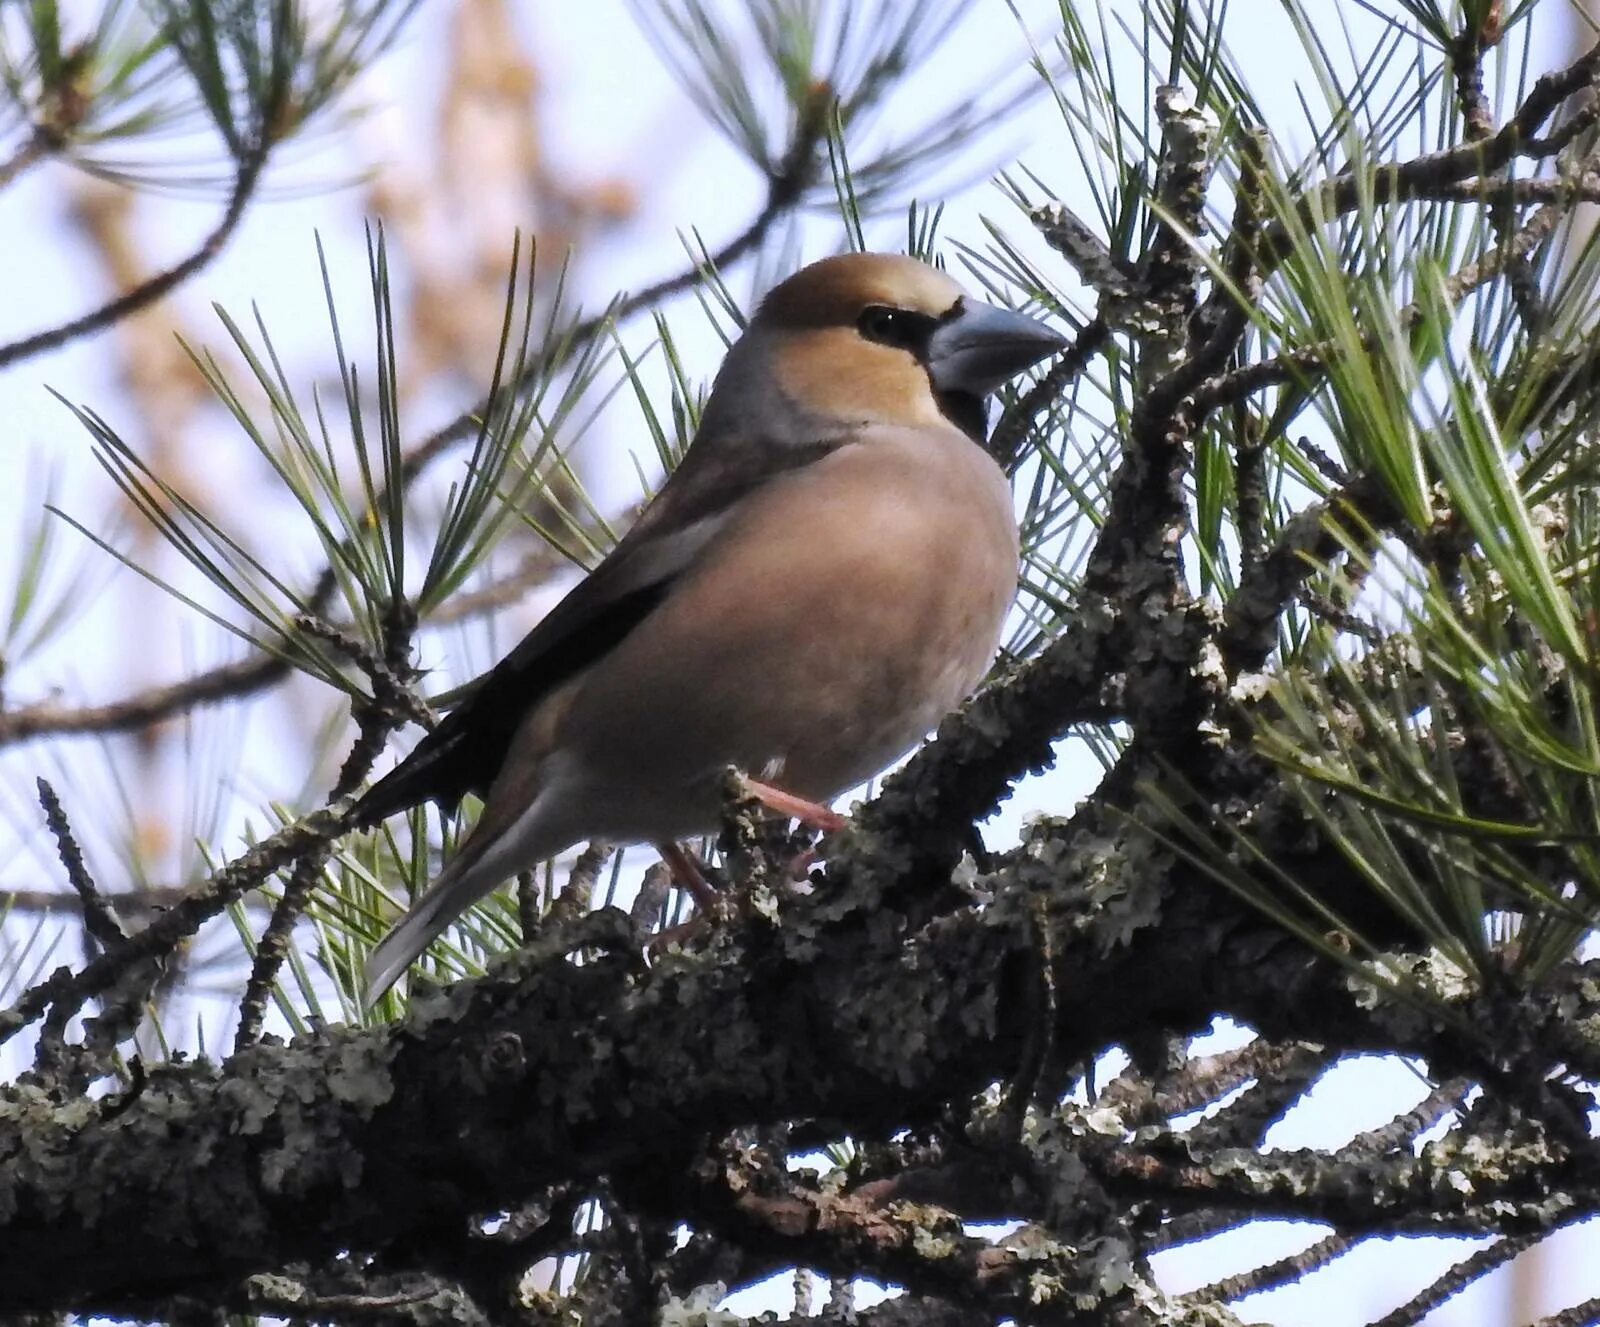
(846, 608)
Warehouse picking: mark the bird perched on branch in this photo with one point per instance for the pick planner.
(823, 577)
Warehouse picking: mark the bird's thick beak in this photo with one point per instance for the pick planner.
(978, 349)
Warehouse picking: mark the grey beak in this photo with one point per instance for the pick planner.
(982, 346)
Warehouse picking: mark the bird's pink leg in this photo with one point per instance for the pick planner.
(686, 871)
(814, 814)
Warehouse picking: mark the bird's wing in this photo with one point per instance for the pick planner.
(465, 752)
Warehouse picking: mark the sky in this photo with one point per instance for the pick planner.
(614, 113)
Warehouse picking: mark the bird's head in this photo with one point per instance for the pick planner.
(868, 338)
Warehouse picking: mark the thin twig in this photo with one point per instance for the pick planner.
(143, 708)
(51, 902)
(1212, 1077)
(394, 700)
(1271, 1275)
(1280, 1085)
(1306, 541)
(390, 686)
(274, 945)
(99, 920)
(1402, 1131)
(1586, 1314)
(234, 681)
(66, 989)
(1193, 1226)
(1479, 124)
(1578, 122)
(147, 292)
(1457, 1279)
(1091, 258)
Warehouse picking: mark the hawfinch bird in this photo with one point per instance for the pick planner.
(822, 578)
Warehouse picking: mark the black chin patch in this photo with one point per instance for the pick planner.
(966, 412)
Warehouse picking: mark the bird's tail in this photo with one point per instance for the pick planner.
(462, 883)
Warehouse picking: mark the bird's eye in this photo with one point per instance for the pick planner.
(895, 327)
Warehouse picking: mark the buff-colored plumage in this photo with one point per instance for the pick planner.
(822, 578)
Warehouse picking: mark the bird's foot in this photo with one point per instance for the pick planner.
(814, 814)
(675, 937)
(688, 876)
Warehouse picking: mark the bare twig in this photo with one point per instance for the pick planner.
(66, 989)
(393, 701)
(52, 902)
(246, 177)
(1402, 1131)
(1586, 1314)
(1283, 1081)
(1273, 1274)
(1479, 124)
(1457, 1279)
(1211, 1077)
(99, 920)
(143, 708)
(237, 680)
(1305, 543)
(393, 698)
(1065, 232)
(274, 945)
(1396, 181)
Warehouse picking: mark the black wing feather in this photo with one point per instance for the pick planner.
(465, 752)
